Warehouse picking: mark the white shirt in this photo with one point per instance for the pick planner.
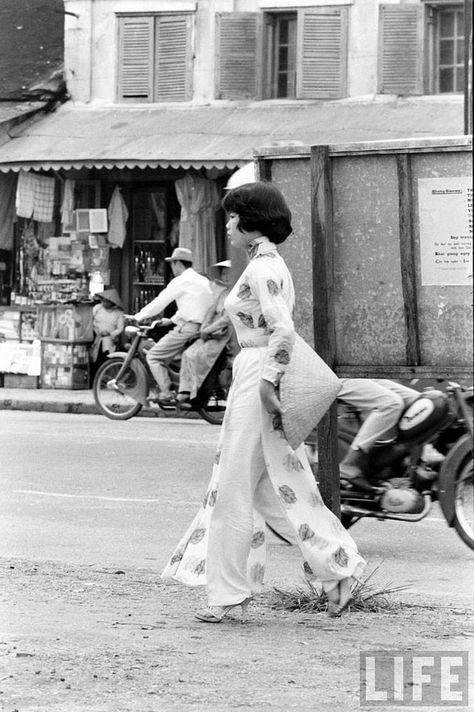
(192, 294)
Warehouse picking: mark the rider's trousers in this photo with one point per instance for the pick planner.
(381, 403)
(166, 349)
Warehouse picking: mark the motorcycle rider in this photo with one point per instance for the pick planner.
(193, 296)
(381, 402)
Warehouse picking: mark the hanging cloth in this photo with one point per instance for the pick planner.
(199, 201)
(35, 196)
(67, 205)
(25, 194)
(44, 199)
(118, 216)
(7, 209)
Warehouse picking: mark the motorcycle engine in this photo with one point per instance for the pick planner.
(401, 498)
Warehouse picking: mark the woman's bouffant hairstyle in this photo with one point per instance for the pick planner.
(260, 206)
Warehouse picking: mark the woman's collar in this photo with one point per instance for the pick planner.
(260, 246)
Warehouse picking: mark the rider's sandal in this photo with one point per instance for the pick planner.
(214, 614)
(168, 399)
(182, 401)
(336, 608)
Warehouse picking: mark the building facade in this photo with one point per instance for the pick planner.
(167, 98)
(201, 51)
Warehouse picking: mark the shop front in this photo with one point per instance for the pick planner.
(94, 197)
(79, 231)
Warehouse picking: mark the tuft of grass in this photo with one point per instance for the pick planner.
(367, 596)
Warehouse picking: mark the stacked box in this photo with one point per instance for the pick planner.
(64, 365)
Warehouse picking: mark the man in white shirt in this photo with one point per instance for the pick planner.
(193, 296)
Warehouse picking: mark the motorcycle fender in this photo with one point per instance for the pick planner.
(140, 391)
(448, 475)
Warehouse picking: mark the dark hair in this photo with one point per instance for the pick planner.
(260, 206)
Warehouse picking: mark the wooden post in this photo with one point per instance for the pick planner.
(467, 66)
(264, 169)
(322, 246)
(407, 260)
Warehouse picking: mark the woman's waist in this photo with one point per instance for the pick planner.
(256, 342)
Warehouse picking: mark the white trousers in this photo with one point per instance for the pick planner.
(258, 478)
(381, 402)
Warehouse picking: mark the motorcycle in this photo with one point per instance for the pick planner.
(429, 460)
(122, 383)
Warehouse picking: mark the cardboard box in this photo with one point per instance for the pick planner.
(20, 380)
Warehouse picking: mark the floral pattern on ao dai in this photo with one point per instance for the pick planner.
(257, 477)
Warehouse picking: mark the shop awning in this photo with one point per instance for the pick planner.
(214, 136)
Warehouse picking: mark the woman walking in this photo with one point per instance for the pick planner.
(257, 477)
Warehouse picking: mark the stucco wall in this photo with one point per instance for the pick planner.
(368, 299)
(367, 279)
(293, 180)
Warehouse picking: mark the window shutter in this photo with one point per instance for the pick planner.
(173, 65)
(238, 55)
(135, 68)
(400, 58)
(322, 53)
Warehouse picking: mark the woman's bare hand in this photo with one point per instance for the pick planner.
(269, 397)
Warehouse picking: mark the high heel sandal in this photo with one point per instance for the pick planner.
(336, 608)
(214, 614)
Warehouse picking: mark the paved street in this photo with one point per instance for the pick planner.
(87, 490)
(91, 509)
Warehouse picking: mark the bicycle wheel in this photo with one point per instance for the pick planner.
(464, 502)
(114, 402)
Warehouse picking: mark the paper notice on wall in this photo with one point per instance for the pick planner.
(445, 206)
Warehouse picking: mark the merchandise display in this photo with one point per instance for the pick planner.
(64, 365)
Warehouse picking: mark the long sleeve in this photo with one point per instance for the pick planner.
(192, 294)
(267, 285)
(120, 324)
(95, 319)
(165, 297)
(216, 318)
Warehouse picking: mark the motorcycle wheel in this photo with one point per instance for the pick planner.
(115, 404)
(213, 409)
(464, 503)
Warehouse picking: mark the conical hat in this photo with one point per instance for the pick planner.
(307, 389)
(112, 296)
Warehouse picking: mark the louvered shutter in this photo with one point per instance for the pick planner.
(238, 55)
(401, 49)
(322, 53)
(135, 62)
(173, 63)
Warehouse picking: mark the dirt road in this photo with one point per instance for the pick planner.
(94, 639)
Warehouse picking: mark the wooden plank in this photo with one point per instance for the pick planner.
(322, 243)
(451, 373)
(264, 169)
(446, 144)
(407, 260)
(328, 466)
